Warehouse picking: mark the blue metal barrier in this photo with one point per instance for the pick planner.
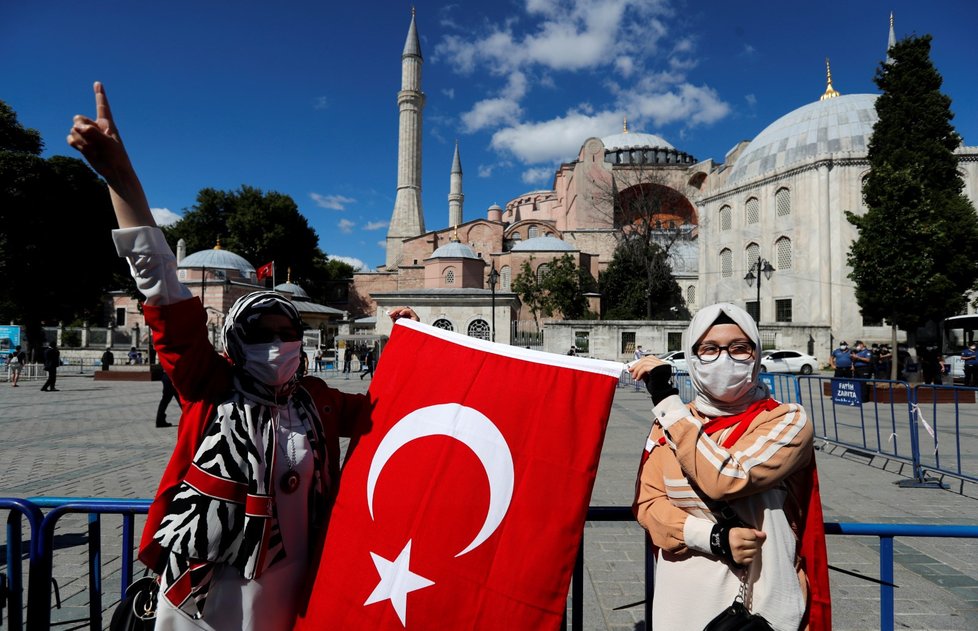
(18, 508)
(42, 535)
(939, 411)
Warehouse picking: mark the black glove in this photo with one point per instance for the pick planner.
(658, 382)
(720, 543)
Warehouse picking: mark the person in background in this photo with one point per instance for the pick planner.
(931, 364)
(52, 360)
(169, 392)
(639, 353)
(347, 359)
(246, 496)
(107, 359)
(319, 359)
(16, 362)
(862, 361)
(727, 487)
(841, 361)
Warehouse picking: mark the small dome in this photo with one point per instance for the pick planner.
(632, 140)
(839, 125)
(495, 207)
(292, 289)
(218, 259)
(542, 244)
(454, 250)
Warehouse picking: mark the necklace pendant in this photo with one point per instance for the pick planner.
(290, 481)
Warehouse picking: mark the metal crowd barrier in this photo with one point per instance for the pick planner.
(41, 558)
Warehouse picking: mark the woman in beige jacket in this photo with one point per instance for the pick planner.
(727, 488)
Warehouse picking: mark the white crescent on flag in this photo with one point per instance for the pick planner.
(475, 431)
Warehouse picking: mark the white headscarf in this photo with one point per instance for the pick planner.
(700, 324)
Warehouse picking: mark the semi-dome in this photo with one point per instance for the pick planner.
(634, 140)
(292, 289)
(838, 125)
(542, 244)
(454, 250)
(217, 258)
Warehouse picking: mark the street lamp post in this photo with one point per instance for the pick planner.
(493, 279)
(760, 266)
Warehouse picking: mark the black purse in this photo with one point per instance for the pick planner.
(137, 609)
(736, 617)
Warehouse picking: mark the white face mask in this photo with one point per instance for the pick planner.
(726, 380)
(273, 363)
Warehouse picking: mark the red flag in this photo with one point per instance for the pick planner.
(464, 505)
(266, 271)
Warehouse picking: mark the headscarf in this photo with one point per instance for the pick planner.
(700, 324)
(243, 315)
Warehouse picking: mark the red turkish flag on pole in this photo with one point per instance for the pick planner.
(266, 271)
(464, 505)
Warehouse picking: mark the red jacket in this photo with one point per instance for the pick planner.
(203, 380)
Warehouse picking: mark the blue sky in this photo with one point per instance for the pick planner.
(300, 97)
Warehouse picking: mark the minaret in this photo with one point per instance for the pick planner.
(455, 196)
(891, 41)
(407, 220)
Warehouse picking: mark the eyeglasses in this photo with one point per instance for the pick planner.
(262, 335)
(738, 351)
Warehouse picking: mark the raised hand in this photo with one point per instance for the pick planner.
(99, 141)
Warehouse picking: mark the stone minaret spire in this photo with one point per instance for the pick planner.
(407, 220)
(455, 196)
(891, 40)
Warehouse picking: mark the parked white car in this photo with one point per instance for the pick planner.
(788, 361)
(677, 359)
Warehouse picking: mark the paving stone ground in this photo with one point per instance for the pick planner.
(98, 439)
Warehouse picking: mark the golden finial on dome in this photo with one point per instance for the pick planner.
(288, 274)
(218, 246)
(624, 124)
(455, 234)
(830, 92)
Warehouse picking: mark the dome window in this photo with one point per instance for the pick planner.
(691, 296)
(726, 263)
(782, 201)
(783, 247)
(750, 255)
(442, 323)
(450, 276)
(725, 218)
(479, 329)
(541, 272)
(753, 211)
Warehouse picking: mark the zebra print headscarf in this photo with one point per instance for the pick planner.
(244, 315)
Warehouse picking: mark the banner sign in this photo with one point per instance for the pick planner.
(847, 392)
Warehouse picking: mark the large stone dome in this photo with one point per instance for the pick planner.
(634, 140)
(542, 244)
(841, 125)
(217, 258)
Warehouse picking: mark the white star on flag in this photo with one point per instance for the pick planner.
(396, 582)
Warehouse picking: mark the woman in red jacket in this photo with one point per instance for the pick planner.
(246, 496)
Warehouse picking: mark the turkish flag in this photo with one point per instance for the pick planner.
(464, 505)
(266, 271)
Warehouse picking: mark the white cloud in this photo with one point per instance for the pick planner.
(503, 109)
(538, 175)
(165, 216)
(751, 100)
(449, 92)
(691, 104)
(375, 225)
(352, 261)
(345, 226)
(332, 202)
(382, 245)
(485, 170)
(555, 140)
(625, 66)
(321, 103)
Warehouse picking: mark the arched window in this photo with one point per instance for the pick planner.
(782, 201)
(751, 252)
(442, 323)
(532, 232)
(753, 208)
(515, 236)
(479, 329)
(542, 271)
(505, 278)
(725, 220)
(783, 248)
(450, 276)
(726, 263)
(691, 296)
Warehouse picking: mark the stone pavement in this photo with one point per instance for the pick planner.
(97, 439)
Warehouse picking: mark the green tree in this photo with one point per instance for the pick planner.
(638, 283)
(261, 227)
(914, 258)
(558, 290)
(528, 287)
(57, 259)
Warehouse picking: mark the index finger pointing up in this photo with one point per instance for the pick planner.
(102, 103)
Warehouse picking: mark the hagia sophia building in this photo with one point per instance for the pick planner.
(778, 200)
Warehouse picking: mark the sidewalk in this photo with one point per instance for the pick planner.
(98, 439)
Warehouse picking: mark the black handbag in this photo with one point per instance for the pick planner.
(137, 609)
(736, 617)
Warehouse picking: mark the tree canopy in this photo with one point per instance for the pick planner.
(638, 284)
(558, 290)
(914, 258)
(262, 227)
(57, 259)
